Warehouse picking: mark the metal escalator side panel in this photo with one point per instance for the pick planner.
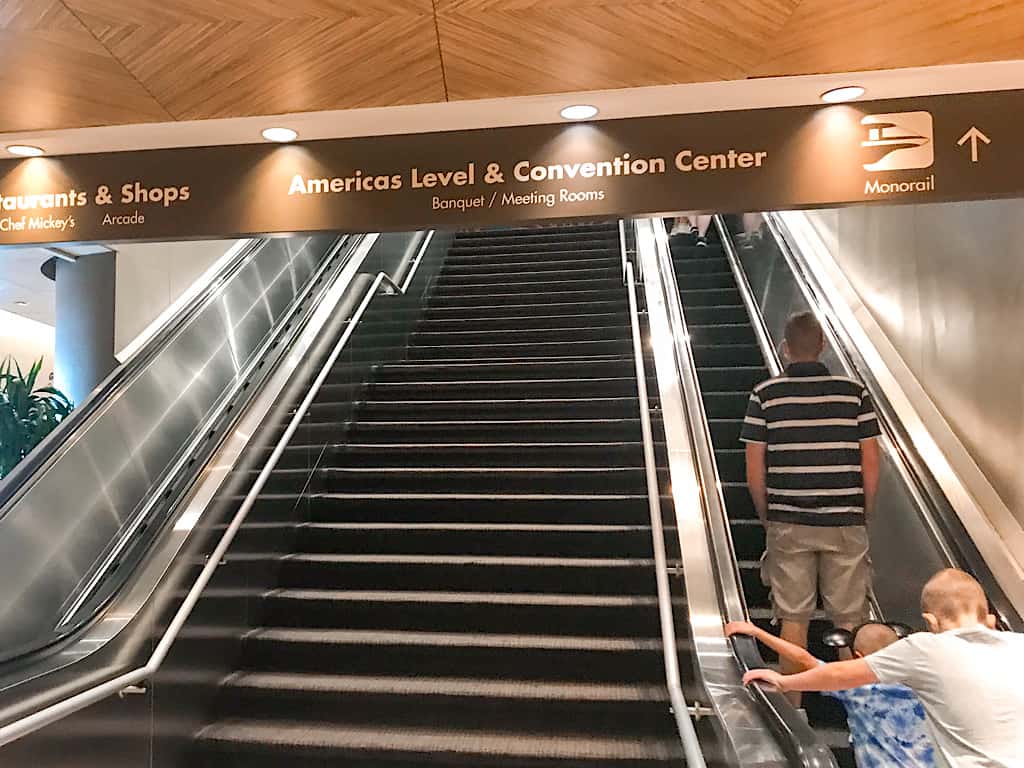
(64, 520)
(137, 354)
(926, 502)
(712, 586)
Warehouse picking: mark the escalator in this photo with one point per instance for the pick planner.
(469, 578)
(729, 364)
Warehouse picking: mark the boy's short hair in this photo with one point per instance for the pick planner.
(804, 335)
(952, 594)
(873, 637)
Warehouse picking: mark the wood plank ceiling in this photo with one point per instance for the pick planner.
(73, 63)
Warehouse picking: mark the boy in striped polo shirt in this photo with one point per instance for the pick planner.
(812, 469)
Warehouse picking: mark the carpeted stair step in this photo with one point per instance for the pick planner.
(260, 744)
(502, 612)
(414, 702)
(498, 508)
(562, 658)
(492, 573)
(515, 454)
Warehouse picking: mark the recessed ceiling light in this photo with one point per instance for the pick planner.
(579, 112)
(24, 150)
(281, 135)
(21, 303)
(846, 93)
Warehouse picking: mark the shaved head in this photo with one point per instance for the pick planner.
(874, 637)
(951, 595)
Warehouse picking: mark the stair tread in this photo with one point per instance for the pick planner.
(457, 496)
(504, 401)
(476, 598)
(454, 382)
(523, 527)
(488, 560)
(508, 688)
(379, 637)
(428, 470)
(339, 737)
(455, 447)
(493, 422)
(524, 362)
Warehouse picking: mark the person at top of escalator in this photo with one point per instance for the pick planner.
(968, 676)
(812, 470)
(887, 722)
(692, 224)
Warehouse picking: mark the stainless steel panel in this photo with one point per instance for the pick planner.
(57, 531)
(946, 284)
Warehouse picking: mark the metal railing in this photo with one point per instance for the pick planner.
(90, 696)
(680, 710)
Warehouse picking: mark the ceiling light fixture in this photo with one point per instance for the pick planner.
(845, 93)
(21, 303)
(24, 150)
(579, 112)
(280, 135)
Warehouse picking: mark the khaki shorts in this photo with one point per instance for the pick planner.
(802, 559)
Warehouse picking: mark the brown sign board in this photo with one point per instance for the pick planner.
(929, 149)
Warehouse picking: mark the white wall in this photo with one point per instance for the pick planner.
(27, 340)
(151, 276)
(945, 282)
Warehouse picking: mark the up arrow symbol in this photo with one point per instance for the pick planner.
(974, 135)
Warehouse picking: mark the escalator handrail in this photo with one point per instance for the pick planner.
(938, 515)
(50, 447)
(670, 652)
(797, 740)
(68, 706)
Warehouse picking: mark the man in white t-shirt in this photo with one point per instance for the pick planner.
(968, 676)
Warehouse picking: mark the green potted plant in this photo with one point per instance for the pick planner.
(27, 413)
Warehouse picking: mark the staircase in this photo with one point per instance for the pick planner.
(729, 364)
(472, 582)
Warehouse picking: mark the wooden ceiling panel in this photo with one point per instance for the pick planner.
(580, 45)
(55, 74)
(850, 35)
(231, 69)
(173, 12)
(72, 63)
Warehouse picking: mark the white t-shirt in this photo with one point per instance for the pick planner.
(971, 683)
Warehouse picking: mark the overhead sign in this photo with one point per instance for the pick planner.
(907, 150)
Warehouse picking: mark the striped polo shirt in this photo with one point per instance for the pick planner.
(812, 423)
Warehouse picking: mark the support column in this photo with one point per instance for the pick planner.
(85, 323)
